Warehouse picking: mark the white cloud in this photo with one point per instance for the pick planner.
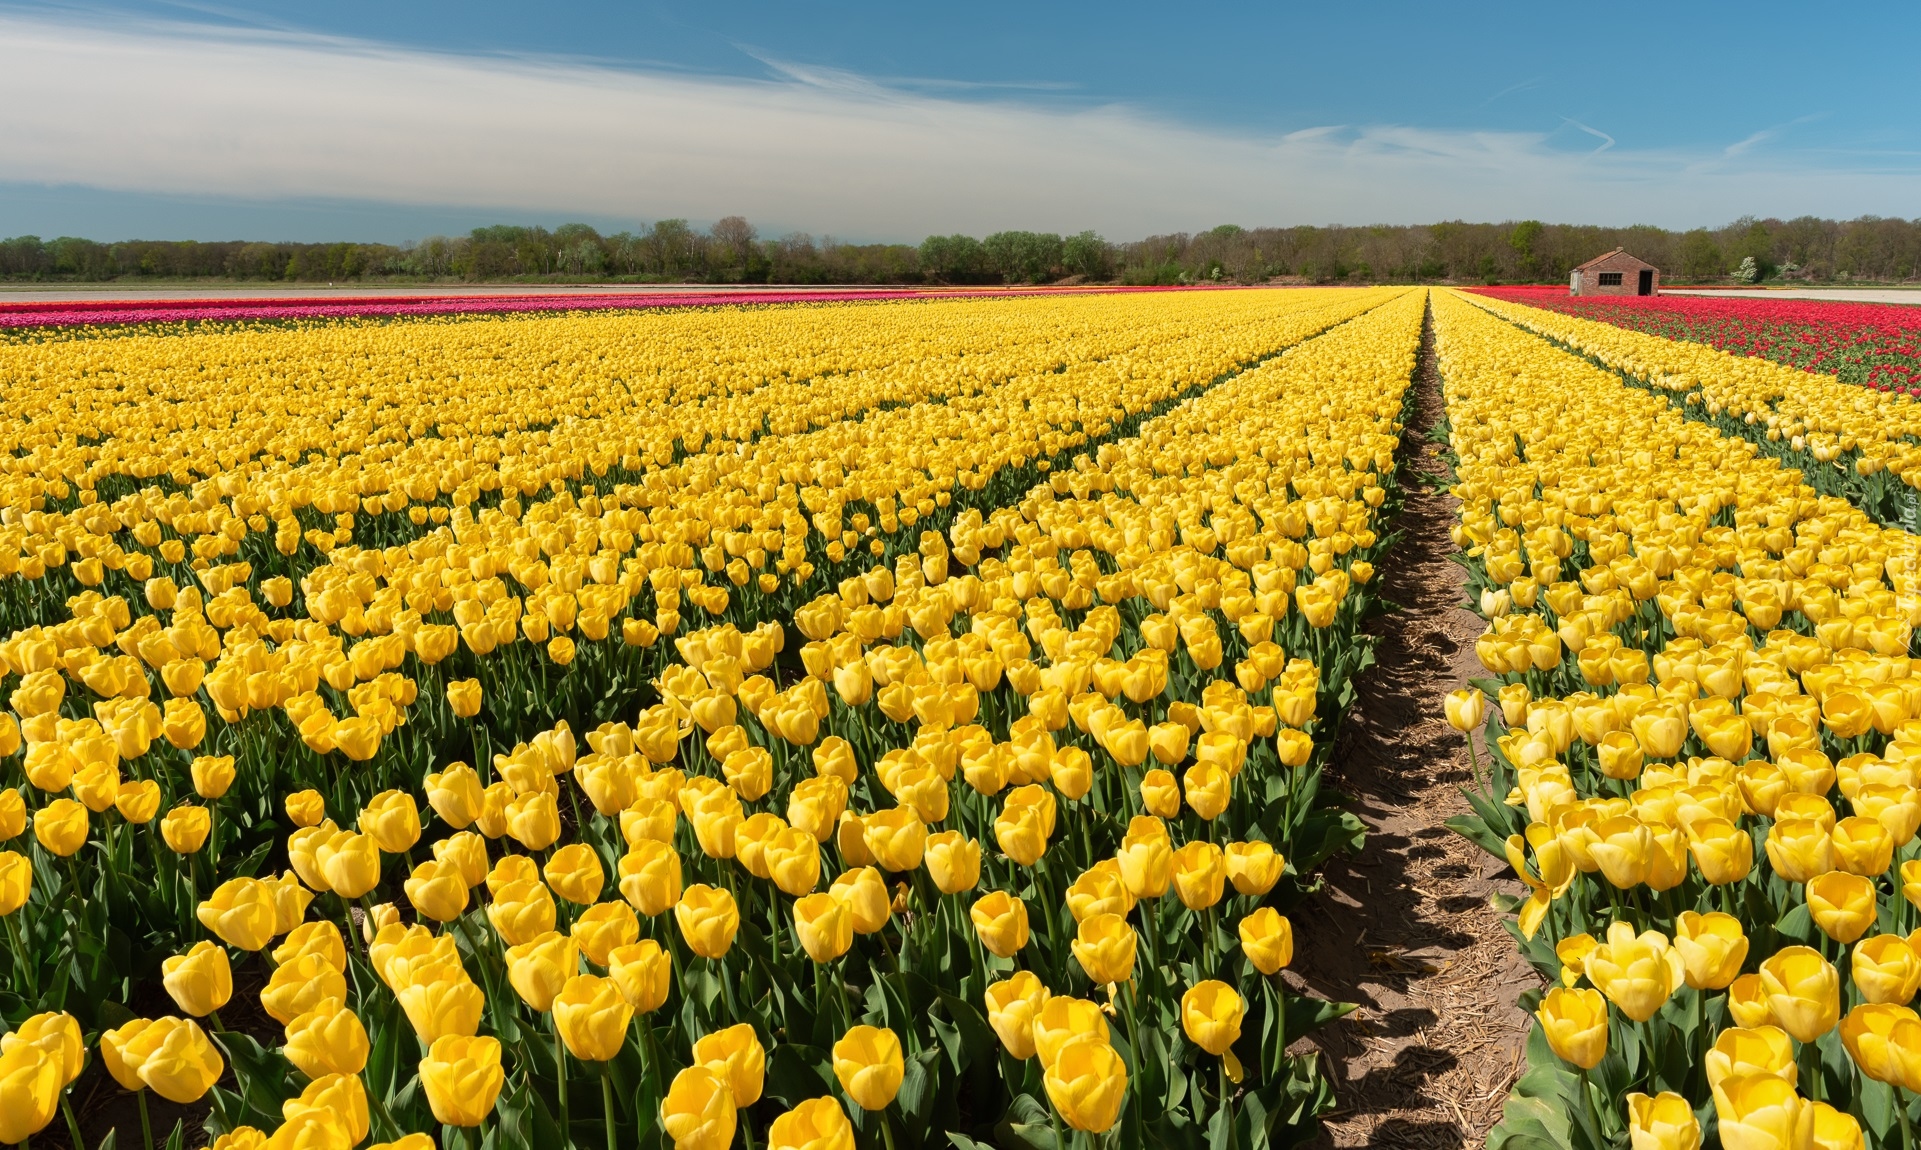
(186, 109)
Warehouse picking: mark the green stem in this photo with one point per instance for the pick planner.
(607, 1101)
(146, 1123)
(73, 1123)
(560, 1079)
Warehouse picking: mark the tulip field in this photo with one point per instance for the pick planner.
(1701, 730)
(879, 723)
(1878, 345)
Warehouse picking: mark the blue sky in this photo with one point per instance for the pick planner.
(276, 120)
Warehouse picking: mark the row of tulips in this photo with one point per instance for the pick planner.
(810, 896)
(1848, 441)
(1699, 727)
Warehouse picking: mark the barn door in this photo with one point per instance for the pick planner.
(1647, 283)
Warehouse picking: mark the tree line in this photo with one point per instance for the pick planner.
(733, 251)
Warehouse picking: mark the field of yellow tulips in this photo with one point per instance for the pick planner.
(1857, 443)
(883, 725)
(1702, 737)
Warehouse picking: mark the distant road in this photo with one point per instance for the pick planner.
(1838, 295)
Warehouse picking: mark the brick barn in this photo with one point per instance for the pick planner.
(1616, 273)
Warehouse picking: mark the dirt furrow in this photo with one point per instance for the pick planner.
(1405, 929)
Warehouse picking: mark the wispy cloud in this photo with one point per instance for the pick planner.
(1607, 141)
(263, 114)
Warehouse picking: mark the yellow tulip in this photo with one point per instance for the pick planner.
(61, 827)
(1575, 1024)
(177, 1061)
(1803, 992)
(1842, 904)
(16, 881)
(1267, 939)
(574, 873)
(56, 1034)
(1253, 867)
(816, 1124)
(200, 981)
(1001, 921)
(1663, 1122)
(437, 890)
(708, 919)
(643, 973)
(541, 966)
(603, 928)
(1637, 973)
(865, 895)
(522, 910)
(735, 1055)
(591, 1014)
(293, 989)
(1199, 874)
(1211, 1014)
(339, 1099)
(1762, 1112)
(30, 1086)
(649, 877)
(351, 863)
(1061, 1020)
(953, 861)
(1884, 1040)
(242, 912)
(824, 925)
(464, 697)
(1012, 1005)
(869, 1066)
(1712, 948)
(1160, 794)
(212, 775)
(1747, 1002)
(1752, 1050)
(1087, 1083)
(1465, 709)
(1886, 969)
(698, 1112)
(462, 1078)
(327, 1039)
(1105, 947)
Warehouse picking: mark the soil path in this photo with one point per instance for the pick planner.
(1405, 929)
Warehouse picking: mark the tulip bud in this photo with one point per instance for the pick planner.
(1267, 938)
(1663, 1122)
(462, 1078)
(1712, 948)
(825, 926)
(1575, 1025)
(698, 1112)
(1803, 992)
(16, 881)
(707, 918)
(816, 1124)
(30, 1091)
(591, 1015)
(1001, 921)
(242, 912)
(1087, 1083)
(643, 973)
(1762, 1110)
(953, 861)
(735, 1055)
(1012, 1005)
(464, 697)
(866, 898)
(869, 1066)
(541, 966)
(327, 1039)
(200, 981)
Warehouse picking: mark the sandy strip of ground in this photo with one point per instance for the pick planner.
(1836, 295)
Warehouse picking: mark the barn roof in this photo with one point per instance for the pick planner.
(1610, 255)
